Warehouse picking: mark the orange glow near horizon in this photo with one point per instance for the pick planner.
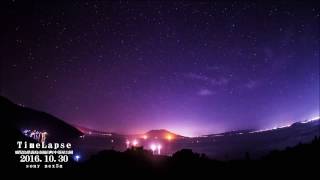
(169, 137)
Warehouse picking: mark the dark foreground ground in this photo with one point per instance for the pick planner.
(139, 163)
(303, 157)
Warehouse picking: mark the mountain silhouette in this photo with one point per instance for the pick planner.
(21, 118)
(162, 134)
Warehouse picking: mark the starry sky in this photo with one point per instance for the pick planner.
(187, 66)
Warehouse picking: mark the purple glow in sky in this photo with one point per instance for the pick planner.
(190, 67)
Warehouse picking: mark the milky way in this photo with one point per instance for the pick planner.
(190, 67)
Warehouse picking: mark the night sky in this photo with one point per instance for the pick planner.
(186, 66)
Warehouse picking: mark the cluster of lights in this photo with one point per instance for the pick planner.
(155, 147)
(134, 143)
(274, 128)
(280, 127)
(311, 120)
(36, 135)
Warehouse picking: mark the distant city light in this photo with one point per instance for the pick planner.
(134, 142)
(285, 126)
(153, 148)
(128, 143)
(40, 136)
(43, 137)
(156, 147)
(169, 137)
(77, 158)
(313, 119)
(159, 148)
(145, 137)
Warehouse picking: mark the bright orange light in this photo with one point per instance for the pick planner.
(169, 137)
(145, 137)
